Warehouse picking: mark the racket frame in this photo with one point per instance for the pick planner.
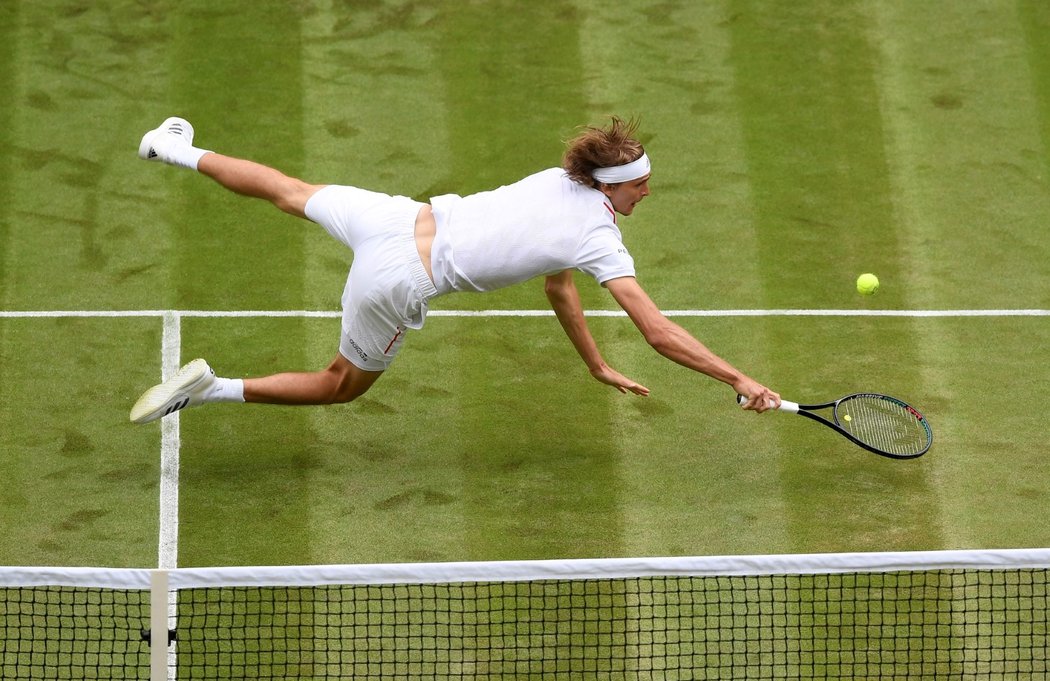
(807, 410)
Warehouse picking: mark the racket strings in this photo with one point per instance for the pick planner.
(885, 424)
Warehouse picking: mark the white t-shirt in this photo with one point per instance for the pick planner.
(543, 224)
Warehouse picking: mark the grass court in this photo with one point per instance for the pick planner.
(795, 145)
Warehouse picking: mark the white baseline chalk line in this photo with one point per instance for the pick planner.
(19, 314)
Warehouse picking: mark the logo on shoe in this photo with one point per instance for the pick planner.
(177, 406)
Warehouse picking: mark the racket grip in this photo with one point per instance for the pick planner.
(785, 405)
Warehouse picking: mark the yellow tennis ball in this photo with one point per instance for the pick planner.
(867, 284)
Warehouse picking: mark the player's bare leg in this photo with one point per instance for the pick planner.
(249, 178)
(172, 143)
(196, 383)
(340, 382)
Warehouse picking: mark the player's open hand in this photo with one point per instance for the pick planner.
(609, 376)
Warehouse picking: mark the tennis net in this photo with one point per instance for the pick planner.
(918, 615)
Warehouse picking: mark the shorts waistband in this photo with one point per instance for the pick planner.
(415, 266)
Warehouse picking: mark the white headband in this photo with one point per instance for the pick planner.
(625, 173)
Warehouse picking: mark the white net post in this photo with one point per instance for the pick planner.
(158, 625)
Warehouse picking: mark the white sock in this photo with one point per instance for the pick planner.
(227, 390)
(173, 149)
(185, 155)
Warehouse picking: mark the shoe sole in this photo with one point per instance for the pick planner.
(171, 395)
(146, 145)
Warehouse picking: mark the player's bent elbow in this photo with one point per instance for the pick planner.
(660, 339)
(555, 288)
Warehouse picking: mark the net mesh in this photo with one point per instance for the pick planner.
(62, 632)
(348, 622)
(910, 625)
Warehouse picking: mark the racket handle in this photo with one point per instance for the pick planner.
(785, 405)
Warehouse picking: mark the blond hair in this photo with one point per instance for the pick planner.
(612, 145)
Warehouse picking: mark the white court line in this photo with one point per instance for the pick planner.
(170, 444)
(18, 314)
(171, 353)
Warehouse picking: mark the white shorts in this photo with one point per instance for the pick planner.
(387, 288)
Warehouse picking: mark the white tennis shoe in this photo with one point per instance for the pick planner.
(187, 388)
(156, 144)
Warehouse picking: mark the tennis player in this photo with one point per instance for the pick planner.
(406, 253)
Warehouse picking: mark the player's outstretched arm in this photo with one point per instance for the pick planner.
(675, 343)
(565, 300)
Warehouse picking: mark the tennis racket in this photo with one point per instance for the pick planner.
(878, 423)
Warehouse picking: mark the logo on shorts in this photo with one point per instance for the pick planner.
(360, 353)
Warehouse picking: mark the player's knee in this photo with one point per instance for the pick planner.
(344, 393)
(347, 386)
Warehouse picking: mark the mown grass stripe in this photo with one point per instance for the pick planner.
(814, 151)
(65, 241)
(824, 212)
(1035, 21)
(9, 40)
(701, 207)
(219, 84)
(514, 89)
(360, 63)
(939, 92)
(969, 175)
(235, 73)
(79, 483)
(71, 136)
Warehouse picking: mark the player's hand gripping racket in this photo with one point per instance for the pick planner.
(878, 423)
